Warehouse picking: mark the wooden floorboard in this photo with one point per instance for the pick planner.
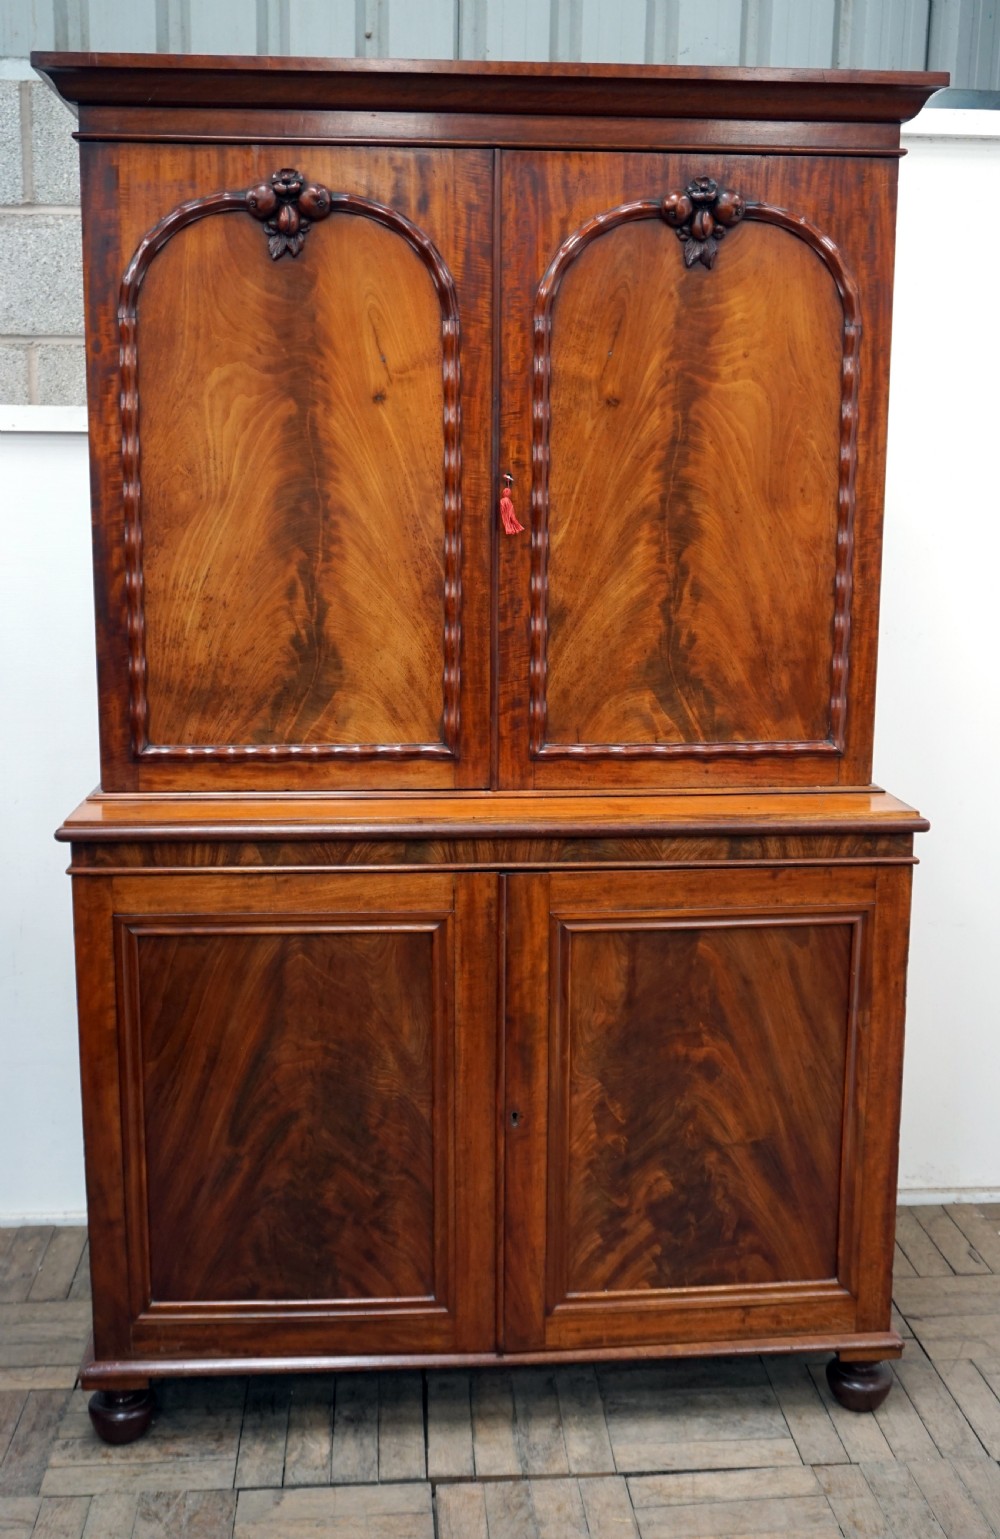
(63, 1254)
(711, 1449)
(355, 1431)
(21, 1261)
(449, 1427)
(957, 1249)
(309, 1441)
(918, 1247)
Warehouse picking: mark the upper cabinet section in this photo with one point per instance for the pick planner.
(331, 305)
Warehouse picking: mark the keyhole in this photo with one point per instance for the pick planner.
(515, 1118)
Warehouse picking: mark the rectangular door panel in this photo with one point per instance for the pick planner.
(687, 1070)
(303, 1085)
(685, 419)
(695, 1120)
(270, 1054)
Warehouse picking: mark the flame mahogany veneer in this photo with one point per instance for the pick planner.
(489, 945)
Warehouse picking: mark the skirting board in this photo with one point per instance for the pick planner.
(68, 1216)
(913, 1196)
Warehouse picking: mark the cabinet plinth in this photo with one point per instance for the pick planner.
(489, 942)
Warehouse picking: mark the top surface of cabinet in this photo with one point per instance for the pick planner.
(329, 306)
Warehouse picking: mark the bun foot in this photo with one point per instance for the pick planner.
(120, 1416)
(859, 1386)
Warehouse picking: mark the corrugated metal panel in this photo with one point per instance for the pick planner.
(216, 28)
(565, 30)
(945, 33)
(24, 25)
(273, 27)
(328, 30)
(662, 31)
(709, 32)
(371, 29)
(881, 34)
(71, 23)
(514, 29)
(960, 35)
(615, 33)
(786, 32)
(129, 28)
(471, 27)
(173, 26)
(965, 38)
(428, 30)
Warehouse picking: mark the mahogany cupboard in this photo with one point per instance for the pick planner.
(490, 943)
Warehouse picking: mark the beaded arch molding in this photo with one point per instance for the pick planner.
(288, 206)
(700, 215)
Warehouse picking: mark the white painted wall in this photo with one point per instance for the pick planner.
(938, 738)
(48, 762)
(937, 728)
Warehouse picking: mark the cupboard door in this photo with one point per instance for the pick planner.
(307, 1072)
(294, 510)
(702, 1085)
(695, 428)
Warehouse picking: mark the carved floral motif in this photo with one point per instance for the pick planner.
(286, 206)
(700, 217)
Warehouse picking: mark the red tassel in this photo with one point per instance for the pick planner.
(511, 525)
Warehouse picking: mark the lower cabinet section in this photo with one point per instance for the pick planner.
(445, 1115)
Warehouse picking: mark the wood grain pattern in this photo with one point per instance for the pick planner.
(259, 540)
(300, 1065)
(703, 1072)
(500, 855)
(100, 1085)
(235, 125)
(619, 814)
(871, 1186)
(441, 193)
(800, 1335)
(489, 832)
(687, 440)
(686, 1070)
(472, 86)
(290, 1142)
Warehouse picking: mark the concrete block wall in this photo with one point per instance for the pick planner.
(41, 295)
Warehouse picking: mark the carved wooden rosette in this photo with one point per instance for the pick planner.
(287, 206)
(700, 216)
